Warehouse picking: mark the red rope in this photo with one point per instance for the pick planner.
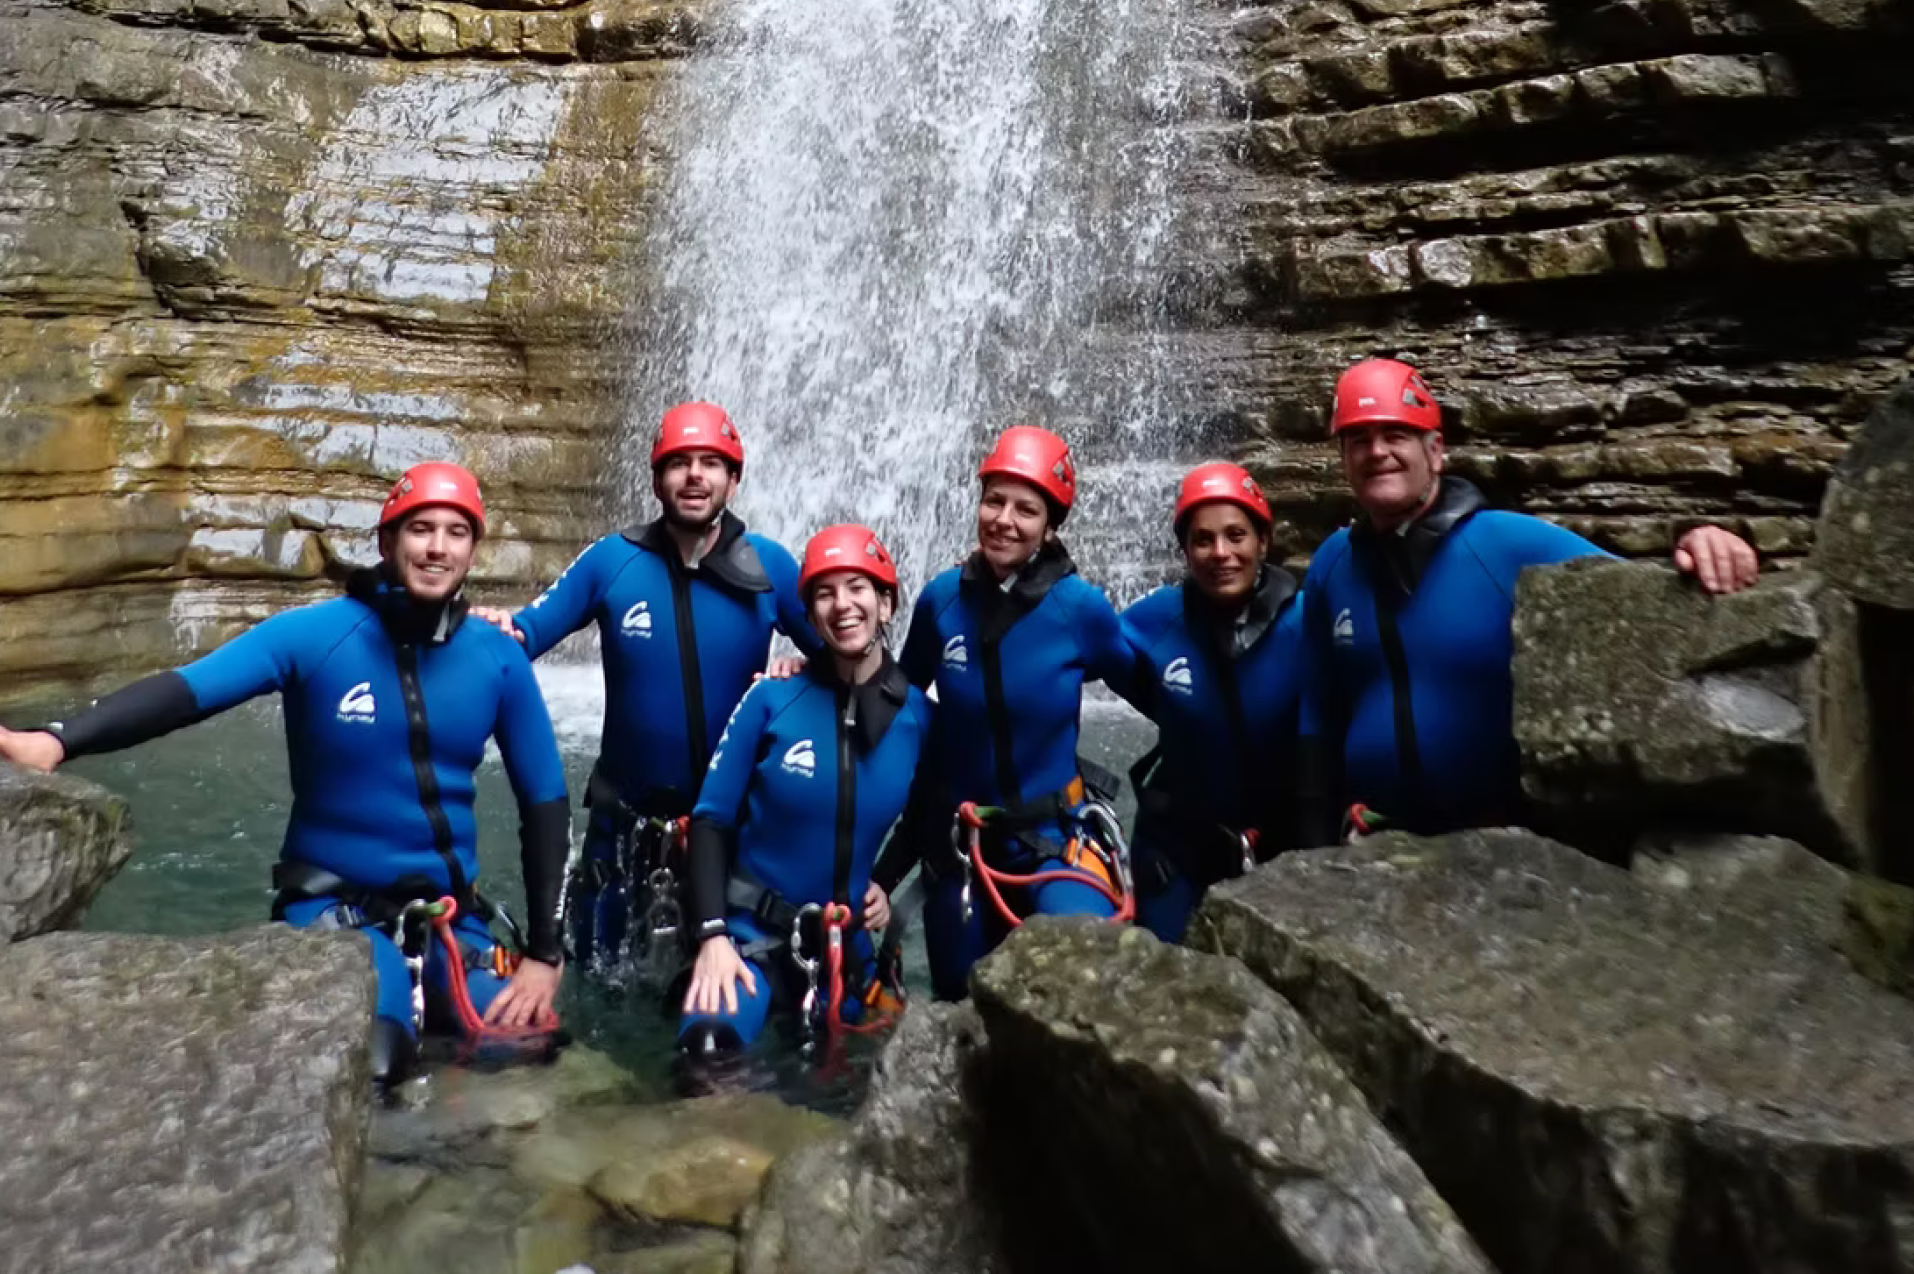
(1124, 903)
(837, 917)
(476, 1028)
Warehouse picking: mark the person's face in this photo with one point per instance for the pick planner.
(1390, 468)
(1012, 521)
(849, 611)
(693, 487)
(430, 552)
(1224, 549)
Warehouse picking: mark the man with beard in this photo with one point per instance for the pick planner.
(684, 606)
(389, 699)
(1408, 696)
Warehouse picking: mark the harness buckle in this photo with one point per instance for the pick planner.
(808, 965)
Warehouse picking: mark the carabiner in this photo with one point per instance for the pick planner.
(807, 1009)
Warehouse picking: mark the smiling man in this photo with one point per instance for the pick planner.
(389, 700)
(1408, 702)
(684, 606)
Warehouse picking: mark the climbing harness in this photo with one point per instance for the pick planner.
(1099, 855)
(476, 1031)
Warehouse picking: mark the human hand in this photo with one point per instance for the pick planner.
(784, 667)
(877, 908)
(499, 618)
(715, 976)
(34, 749)
(1720, 560)
(527, 998)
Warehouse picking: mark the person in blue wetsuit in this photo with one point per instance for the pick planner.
(809, 775)
(1409, 698)
(1009, 639)
(1220, 673)
(685, 606)
(389, 700)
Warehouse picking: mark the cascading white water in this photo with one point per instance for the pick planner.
(892, 227)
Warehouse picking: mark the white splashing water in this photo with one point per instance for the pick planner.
(893, 227)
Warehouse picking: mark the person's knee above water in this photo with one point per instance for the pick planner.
(810, 774)
(1408, 694)
(685, 606)
(1219, 672)
(389, 699)
(1009, 639)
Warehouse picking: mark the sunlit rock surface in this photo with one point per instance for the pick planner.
(61, 838)
(256, 258)
(183, 1104)
(1598, 1073)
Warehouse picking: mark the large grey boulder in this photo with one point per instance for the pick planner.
(182, 1104)
(1600, 1074)
(61, 838)
(891, 1194)
(1150, 1108)
(1638, 699)
(1864, 543)
(1110, 1104)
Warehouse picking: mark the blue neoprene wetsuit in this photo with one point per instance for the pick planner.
(388, 706)
(680, 646)
(1009, 665)
(808, 778)
(1409, 695)
(1224, 692)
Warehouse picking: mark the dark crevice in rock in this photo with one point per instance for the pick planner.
(1106, 1175)
(1887, 670)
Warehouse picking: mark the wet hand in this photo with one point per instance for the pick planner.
(877, 908)
(499, 618)
(784, 667)
(35, 749)
(527, 998)
(715, 976)
(1720, 560)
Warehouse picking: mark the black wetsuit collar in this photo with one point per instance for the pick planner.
(732, 562)
(408, 621)
(1000, 607)
(1237, 632)
(1404, 554)
(875, 701)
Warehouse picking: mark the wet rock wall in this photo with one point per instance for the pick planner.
(256, 256)
(1657, 255)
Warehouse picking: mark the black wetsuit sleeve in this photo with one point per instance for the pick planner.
(924, 824)
(1318, 821)
(708, 863)
(145, 710)
(544, 841)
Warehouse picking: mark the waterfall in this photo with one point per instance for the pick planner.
(890, 228)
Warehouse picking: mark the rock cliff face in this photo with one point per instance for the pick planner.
(258, 255)
(1655, 254)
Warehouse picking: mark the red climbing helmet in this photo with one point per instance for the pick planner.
(1219, 480)
(1038, 457)
(698, 427)
(425, 485)
(1381, 391)
(846, 547)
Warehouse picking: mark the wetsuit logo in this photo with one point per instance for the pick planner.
(357, 704)
(1345, 628)
(801, 759)
(1177, 676)
(637, 621)
(954, 653)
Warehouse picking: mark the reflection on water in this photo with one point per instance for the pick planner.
(209, 808)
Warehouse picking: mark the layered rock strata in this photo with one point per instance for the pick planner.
(257, 257)
(1657, 256)
(183, 1104)
(1599, 1074)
